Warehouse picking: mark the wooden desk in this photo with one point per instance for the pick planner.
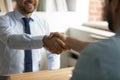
(61, 74)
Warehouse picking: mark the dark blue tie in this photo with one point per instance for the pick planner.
(28, 53)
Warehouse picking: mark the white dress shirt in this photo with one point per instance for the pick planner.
(99, 61)
(13, 42)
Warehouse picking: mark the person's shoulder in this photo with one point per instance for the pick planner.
(4, 19)
(101, 47)
(6, 16)
(110, 43)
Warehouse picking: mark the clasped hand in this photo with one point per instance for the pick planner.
(55, 43)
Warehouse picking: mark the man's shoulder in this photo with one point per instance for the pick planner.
(6, 16)
(4, 19)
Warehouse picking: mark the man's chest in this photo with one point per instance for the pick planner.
(35, 29)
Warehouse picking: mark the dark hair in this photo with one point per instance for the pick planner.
(107, 14)
(109, 1)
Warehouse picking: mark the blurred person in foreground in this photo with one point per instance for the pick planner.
(21, 40)
(98, 60)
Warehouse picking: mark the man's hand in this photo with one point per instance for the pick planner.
(54, 44)
(61, 36)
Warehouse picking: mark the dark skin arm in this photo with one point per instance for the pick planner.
(70, 42)
(76, 44)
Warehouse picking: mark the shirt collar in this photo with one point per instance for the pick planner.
(19, 16)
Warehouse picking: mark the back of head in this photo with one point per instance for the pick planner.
(111, 14)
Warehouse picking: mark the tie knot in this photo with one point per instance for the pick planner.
(26, 20)
(26, 25)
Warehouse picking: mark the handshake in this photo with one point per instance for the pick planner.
(56, 42)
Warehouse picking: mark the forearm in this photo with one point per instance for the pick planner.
(76, 44)
(24, 42)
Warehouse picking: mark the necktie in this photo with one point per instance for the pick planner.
(28, 53)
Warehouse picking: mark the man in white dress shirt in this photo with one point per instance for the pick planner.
(13, 39)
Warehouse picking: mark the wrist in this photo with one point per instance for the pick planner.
(67, 41)
(44, 40)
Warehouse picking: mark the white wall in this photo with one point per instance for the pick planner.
(82, 8)
(61, 21)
